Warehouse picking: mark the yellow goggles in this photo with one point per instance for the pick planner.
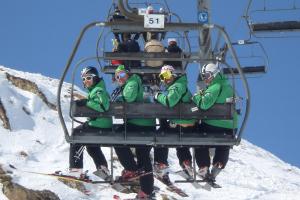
(165, 75)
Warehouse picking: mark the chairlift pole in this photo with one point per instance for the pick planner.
(203, 12)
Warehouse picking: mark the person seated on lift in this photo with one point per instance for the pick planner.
(176, 92)
(97, 99)
(217, 91)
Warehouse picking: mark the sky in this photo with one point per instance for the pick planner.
(38, 36)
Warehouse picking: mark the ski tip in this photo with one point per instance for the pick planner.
(11, 166)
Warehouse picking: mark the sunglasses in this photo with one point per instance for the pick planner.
(165, 75)
(120, 75)
(87, 78)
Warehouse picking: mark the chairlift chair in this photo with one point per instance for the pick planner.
(125, 111)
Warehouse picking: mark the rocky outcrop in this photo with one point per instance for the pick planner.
(30, 86)
(3, 117)
(14, 191)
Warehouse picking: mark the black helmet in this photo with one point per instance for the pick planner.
(89, 71)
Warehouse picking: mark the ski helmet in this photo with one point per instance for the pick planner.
(166, 72)
(89, 70)
(211, 68)
(167, 68)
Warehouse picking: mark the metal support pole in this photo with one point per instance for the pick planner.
(203, 7)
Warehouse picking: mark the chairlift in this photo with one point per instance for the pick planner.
(267, 22)
(150, 110)
(250, 52)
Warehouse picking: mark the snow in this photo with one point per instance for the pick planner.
(251, 173)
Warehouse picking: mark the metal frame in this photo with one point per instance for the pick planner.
(270, 27)
(138, 27)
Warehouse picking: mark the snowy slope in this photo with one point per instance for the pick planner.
(251, 173)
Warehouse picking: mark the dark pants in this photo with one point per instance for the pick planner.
(183, 153)
(161, 153)
(76, 158)
(221, 153)
(126, 158)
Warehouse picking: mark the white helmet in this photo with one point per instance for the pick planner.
(212, 68)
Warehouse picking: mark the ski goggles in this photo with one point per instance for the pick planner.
(120, 75)
(206, 75)
(165, 75)
(87, 78)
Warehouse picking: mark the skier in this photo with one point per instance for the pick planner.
(217, 91)
(177, 92)
(132, 91)
(97, 99)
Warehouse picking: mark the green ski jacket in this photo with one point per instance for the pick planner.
(133, 91)
(177, 92)
(98, 99)
(217, 92)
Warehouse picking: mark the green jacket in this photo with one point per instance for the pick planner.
(177, 92)
(133, 91)
(98, 99)
(217, 92)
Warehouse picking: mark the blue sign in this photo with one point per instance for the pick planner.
(203, 17)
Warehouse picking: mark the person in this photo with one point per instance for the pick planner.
(177, 92)
(173, 48)
(132, 91)
(217, 91)
(130, 45)
(153, 45)
(97, 99)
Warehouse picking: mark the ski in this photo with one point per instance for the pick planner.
(211, 182)
(128, 186)
(190, 179)
(70, 181)
(171, 187)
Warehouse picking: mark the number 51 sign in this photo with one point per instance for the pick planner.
(154, 21)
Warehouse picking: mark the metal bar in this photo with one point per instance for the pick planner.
(77, 43)
(244, 81)
(140, 70)
(152, 110)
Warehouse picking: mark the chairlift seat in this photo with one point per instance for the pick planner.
(276, 26)
(160, 139)
(246, 70)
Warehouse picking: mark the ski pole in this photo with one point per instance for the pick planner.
(79, 153)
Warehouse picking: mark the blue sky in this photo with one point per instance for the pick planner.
(38, 36)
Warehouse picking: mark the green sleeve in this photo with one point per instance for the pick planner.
(208, 98)
(174, 95)
(99, 100)
(130, 91)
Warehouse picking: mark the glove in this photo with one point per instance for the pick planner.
(201, 92)
(81, 102)
(156, 96)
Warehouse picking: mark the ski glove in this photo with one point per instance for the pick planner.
(81, 102)
(156, 96)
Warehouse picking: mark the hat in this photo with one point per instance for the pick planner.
(172, 40)
(121, 68)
